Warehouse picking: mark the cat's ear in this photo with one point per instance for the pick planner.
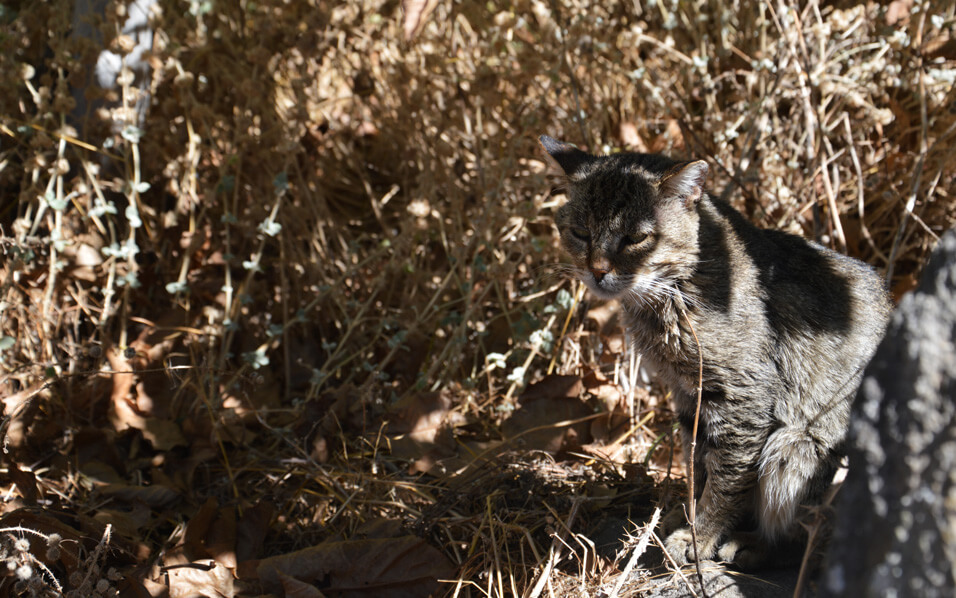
(685, 181)
(567, 157)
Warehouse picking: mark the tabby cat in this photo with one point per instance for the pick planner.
(785, 328)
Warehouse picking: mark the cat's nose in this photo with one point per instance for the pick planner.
(599, 271)
(599, 267)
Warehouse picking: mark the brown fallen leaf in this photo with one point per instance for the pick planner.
(208, 579)
(416, 13)
(252, 529)
(600, 387)
(404, 567)
(545, 409)
(163, 434)
(124, 412)
(127, 520)
(606, 316)
(672, 139)
(211, 533)
(631, 138)
(898, 11)
(135, 588)
(423, 416)
(294, 588)
(26, 482)
(422, 429)
(154, 495)
(221, 538)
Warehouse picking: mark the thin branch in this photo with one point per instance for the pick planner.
(637, 552)
(693, 448)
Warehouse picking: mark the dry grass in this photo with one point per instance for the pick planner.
(207, 321)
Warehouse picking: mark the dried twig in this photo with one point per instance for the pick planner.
(692, 500)
(637, 552)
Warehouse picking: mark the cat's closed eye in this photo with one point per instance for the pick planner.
(581, 234)
(632, 240)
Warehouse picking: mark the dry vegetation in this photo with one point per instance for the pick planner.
(301, 326)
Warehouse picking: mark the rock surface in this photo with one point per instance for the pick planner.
(724, 583)
(895, 530)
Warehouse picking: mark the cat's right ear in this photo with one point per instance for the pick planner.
(567, 157)
(685, 181)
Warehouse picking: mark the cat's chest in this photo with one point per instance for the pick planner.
(663, 339)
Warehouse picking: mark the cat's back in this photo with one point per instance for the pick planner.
(802, 287)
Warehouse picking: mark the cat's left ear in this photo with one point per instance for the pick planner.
(685, 181)
(567, 157)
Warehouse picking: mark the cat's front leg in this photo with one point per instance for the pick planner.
(680, 543)
(726, 496)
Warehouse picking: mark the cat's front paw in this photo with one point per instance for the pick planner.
(680, 546)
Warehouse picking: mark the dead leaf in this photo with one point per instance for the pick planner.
(416, 12)
(179, 472)
(26, 482)
(135, 588)
(15, 403)
(405, 567)
(221, 538)
(124, 412)
(606, 316)
(423, 416)
(608, 393)
(610, 427)
(154, 495)
(252, 529)
(553, 386)
(127, 522)
(631, 138)
(422, 428)
(672, 139)
(163, 434)
(898, 11)
(209, 579)
(904, 285)
(542, 419)
(193, 544)
(137, 400)
(98, 447)
(294, 588)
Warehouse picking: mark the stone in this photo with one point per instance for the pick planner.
(895, 527)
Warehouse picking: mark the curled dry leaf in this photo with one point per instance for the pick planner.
(163, 434)
(631, 138)
(898, 11)
(208, 579)
(416, 13)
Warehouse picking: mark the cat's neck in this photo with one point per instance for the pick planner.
(667, 313)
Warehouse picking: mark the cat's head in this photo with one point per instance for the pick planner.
(630, 223)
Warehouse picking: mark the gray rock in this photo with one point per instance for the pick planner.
(722, 582)
(895, 530)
